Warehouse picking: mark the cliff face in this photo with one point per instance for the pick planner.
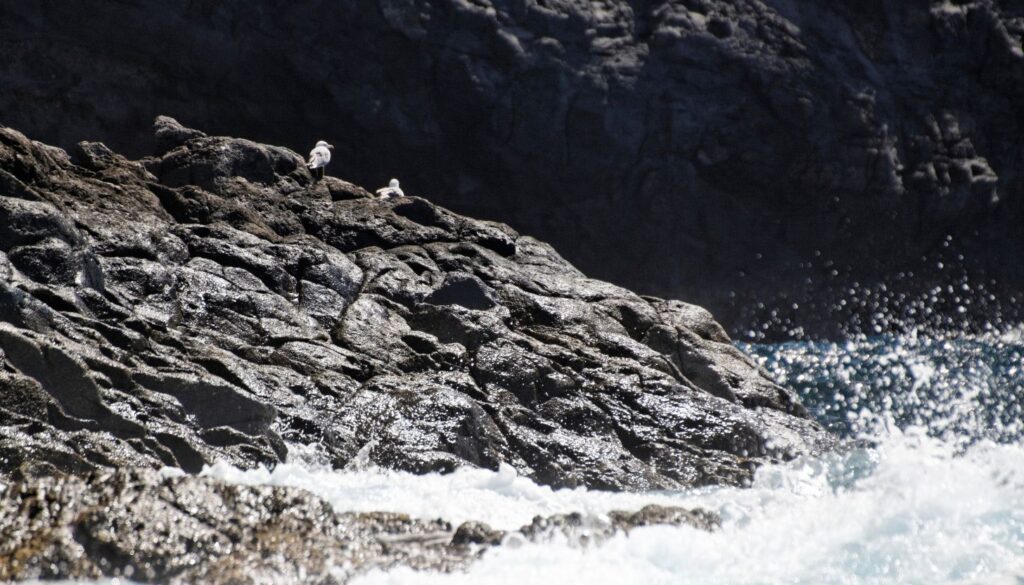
(213, 303)
(696, 148)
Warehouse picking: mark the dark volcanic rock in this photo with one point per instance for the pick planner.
(215, 303)
(149, 529)
(694, 148)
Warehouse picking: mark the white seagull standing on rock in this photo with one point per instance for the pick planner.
(392, 190)
(318, 158)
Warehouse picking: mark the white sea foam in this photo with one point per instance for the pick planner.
(910, 513)
(502, 498)
(915, 510)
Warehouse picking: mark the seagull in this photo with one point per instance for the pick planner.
(318, 158)
(392, 190)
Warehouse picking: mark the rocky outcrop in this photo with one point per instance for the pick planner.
(214, 303)
(730, 153)
(149, 529)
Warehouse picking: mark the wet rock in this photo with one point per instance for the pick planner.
(583, 530)
(477, 533)
(165, 529)
(140, 526)
(586, 530)
(216, 303)
(653, 515)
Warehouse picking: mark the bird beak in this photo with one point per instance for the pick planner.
(330, 146)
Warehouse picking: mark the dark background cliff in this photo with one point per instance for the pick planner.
(755, 157)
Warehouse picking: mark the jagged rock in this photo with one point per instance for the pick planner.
(170, 134)
(582, 530)
(215, 303)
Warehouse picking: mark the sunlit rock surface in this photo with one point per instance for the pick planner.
(213, 303)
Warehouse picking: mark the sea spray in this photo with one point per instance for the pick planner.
(929, 489)
(960, 388)
(911, 511)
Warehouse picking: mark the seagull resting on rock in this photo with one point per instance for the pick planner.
(318, 158)
(392, 190)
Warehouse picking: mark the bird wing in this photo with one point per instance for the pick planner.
(318, 157)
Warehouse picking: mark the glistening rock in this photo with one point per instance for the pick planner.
(212, 302)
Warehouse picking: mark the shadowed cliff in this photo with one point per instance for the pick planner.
(726, 153)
